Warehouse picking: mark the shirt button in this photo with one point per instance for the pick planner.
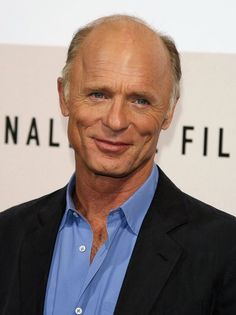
(82, 249)
(75, 214)
(78, 310)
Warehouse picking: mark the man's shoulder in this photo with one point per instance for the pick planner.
(203, 213)
(28, 210)
(208, 229)
(201, 217)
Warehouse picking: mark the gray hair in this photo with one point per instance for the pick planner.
(83, 32)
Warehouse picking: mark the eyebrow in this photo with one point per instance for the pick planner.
(102, 88)
(142, 94)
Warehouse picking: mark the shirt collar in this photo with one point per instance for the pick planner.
(134, 209)
(70, 206)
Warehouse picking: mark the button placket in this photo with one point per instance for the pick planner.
(78, 311)
(82, 248)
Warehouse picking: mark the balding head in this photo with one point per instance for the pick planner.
(129, 31)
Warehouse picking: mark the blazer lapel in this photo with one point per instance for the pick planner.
(37, 251)
(155, 253)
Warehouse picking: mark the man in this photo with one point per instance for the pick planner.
(121, 238)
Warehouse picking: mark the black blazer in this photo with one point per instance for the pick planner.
(183, 263)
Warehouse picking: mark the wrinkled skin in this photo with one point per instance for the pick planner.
(120, 86)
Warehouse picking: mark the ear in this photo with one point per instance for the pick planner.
(63, 102)
(168, 117)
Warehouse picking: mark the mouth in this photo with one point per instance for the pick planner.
(108, 146)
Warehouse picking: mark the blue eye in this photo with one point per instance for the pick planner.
(142, 101)
(98, 95)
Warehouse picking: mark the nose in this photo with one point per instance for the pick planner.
(116, 116)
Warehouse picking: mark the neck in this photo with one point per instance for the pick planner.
(96, 195)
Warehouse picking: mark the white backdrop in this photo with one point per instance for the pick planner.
(197, 152)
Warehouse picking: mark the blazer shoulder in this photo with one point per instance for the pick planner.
(204, 221)
(197, 208)
(26, 211)
(211, 224)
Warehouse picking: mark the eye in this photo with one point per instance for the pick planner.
(142, 101)
(97, 95)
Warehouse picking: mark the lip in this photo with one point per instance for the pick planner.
(109, 146)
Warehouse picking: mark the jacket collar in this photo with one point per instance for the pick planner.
(155, 253)
(37, 251)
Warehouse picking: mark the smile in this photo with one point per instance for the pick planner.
(108, 146)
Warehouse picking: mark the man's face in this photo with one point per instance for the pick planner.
(120, 87)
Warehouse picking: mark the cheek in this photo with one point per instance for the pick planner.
(149, 125)
(82, 116)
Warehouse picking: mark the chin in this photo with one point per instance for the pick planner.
(112, 174)
(111, 171)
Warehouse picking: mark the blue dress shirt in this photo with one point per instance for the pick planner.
(74, 285)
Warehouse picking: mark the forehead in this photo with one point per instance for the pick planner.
(124, 49)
